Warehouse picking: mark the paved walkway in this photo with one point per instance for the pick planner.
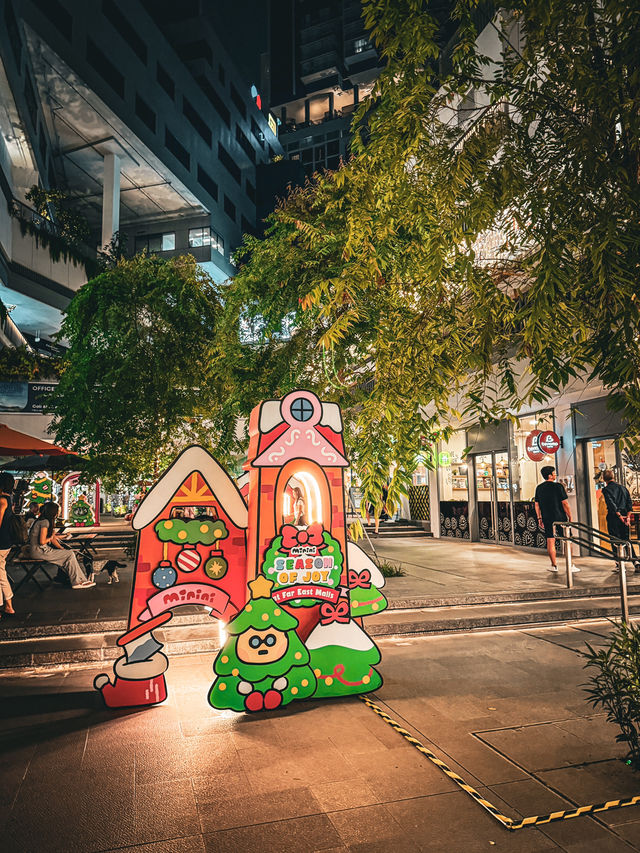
(438, 568)
(505, 710)
(435, 569)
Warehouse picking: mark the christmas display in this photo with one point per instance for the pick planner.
(41, 488)
(81, 514)
(266, 555)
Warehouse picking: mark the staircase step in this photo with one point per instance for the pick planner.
(83, 644)
(442, 620)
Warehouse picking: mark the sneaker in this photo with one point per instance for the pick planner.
(575, 569)
(83, 585)
(552, 568)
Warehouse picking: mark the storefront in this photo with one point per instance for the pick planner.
(487, 479)
(596, 430)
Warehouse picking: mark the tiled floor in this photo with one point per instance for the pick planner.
(505, 710)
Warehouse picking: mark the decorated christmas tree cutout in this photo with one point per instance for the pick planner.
(81, 514)
(365, 580)
(343, 656)
(41, 488)
(263, 663)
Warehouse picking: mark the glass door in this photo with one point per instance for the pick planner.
(493, 496)
(600, 454)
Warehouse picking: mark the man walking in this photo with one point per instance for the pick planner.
(552, 504)
(619, 510)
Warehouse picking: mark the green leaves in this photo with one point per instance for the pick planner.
(139, 382)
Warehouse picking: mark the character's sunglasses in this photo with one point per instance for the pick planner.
(256, 642)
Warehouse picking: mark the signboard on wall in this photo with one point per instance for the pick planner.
(25, 397)
(540, 444)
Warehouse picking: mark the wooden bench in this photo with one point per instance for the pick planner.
(31, 566)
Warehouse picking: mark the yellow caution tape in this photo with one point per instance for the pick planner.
(508, 822)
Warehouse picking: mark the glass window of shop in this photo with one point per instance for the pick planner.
(603, 453)
(453, 486)
(525, 476)
(525, 472)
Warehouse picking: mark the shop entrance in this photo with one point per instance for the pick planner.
(493, 496)
(600, 454)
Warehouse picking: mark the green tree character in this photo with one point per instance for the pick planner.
(364, 580)
(41, 489)
(81, 512)
(343, 656)
(263, 664)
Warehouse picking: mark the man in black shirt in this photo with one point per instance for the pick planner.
(552, 505)
(619, 510)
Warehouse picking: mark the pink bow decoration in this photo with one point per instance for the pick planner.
(359, 579)
(292, 537)
(338, 612)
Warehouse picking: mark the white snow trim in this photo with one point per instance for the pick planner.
(194, 458)
(350, 636)
(270, 415)
(331, 416)
(357, 559)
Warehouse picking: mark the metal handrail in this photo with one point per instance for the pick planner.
(623, 550)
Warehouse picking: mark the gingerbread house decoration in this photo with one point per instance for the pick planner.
(296, 464)
(191, 551)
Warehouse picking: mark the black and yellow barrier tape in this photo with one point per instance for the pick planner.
(506, 821)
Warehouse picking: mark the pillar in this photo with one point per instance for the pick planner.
(110, 198)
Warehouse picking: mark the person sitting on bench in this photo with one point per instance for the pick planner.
(6, 593)
(45, 545)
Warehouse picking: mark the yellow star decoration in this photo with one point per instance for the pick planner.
(260, 587)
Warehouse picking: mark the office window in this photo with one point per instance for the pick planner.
(113, 14)
(222, 77)
(192, 115)
(246, 146)
(105, 68)
(57, 15)
(205, 236)
(30, 98)
(156, 242)
(250, 190)
(238, 101)
(246, 226)
(255, 129)
(215, 100)
(360, 45)
(145, 113)
(199, 237)
(229, 208)
(229, 163)
(178, 150)
(166, 81)
(207, 183)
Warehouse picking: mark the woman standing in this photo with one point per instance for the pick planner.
(6, 593)
(46, 545)
(299, 518)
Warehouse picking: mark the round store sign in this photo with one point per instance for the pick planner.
(540, 444)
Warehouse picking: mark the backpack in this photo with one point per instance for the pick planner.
(17, 529)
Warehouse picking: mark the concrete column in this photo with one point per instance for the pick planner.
(356, 95)
(331, 101)
(307, 113)
(110, 198)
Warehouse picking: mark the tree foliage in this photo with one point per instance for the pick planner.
(401, 307)
(138, 383)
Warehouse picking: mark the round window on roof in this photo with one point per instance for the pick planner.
(301, 409)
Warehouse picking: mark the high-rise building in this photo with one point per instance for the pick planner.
(152, 136)
(321, 66)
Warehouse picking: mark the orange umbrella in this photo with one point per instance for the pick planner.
(14, 443)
